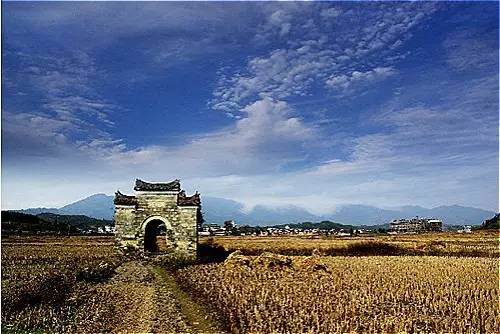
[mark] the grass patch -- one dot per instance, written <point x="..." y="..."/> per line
<point x="200" y="318"/>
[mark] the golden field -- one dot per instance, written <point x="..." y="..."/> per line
<point x="378" y="294"/>
<point x="479" y="243"/>
<point x="51" y="284"/>
<point x="433" y="283"/>
<point x="78" y="285"/>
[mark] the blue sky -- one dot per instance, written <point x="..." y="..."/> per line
<point x="308" y="104"/>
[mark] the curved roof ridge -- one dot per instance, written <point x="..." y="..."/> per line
<point x="141" y="185"/>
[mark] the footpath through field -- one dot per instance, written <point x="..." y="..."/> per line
<point x="155" y="303"/>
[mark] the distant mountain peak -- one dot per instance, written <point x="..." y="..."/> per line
<point x="98" y="195"/>
<point x="217" y="210"/>
<point x="96" y="206"/>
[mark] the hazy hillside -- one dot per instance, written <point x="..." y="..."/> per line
<point x="98" y="206"/>
<point x="492" y="223"/>
<point x="217" y="210"/>
<point x="36" y="211"/>
<point x="262" y="215"/>
<point x="460" y="215"/>
<point x="17" y="222"/>
<point x="220" y="209"/>
<point x="450" y="215"/>
<point x="364" y="215"/>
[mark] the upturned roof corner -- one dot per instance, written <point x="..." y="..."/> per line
<point x="121" y="199"/>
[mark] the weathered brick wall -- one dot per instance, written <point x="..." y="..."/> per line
<point x="125" y="227"/>
<point x="187" y="229"/>
<point x="180" y="221"/>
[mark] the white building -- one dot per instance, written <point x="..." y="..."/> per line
<point x="416" y="225"/>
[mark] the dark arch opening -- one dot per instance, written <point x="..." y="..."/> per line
<point x="156" y="237"/>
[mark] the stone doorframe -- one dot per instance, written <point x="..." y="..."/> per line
<point x="168" y="233"/>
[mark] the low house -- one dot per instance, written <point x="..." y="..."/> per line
<point x="416" y="225"/>
<point x="211" y="229"/>
<point x="466" y="229"/>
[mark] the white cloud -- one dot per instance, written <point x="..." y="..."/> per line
<point x="278" y="20"/>
<point x="244" y="162"/>
<point x="265" y="139"/>
<point x="283" y="74"/>
<point x="369" y="39"/>
<point x="414" y="161"/>
<point x="331" y="12"/>
<point x="439" y="155"/>
<point x="344" y="82"/>
<point x="281" y="19"/>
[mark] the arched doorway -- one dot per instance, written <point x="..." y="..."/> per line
<point x="157" y="236"/>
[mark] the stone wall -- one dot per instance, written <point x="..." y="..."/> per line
<point x="132" y="218"/>
<point x="125" y="228"/>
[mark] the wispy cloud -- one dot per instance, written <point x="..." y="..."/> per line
<point x="345" y="82"/>
<point x="472" y="49"/>
<point x="313" y="56"/>
<point x="70" y="113"/>
<point x="32" y="134"/>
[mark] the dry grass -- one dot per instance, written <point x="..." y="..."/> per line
<point x="376" y="294"/>
<point x="481" y="244"/>
<point x="53" y="284"/>
<point x="78" y="285"/>
<point x="62" y="284"/>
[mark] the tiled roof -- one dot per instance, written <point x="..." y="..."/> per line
<point x="146" y="186"/>
<point x="121" y="199"/>
<point x="183" y="200"/>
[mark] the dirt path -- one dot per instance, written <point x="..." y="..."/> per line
<point x="152" y="302"/>
<point x="196" y="316"/>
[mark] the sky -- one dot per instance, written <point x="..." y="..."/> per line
<point x="315" y="105"/>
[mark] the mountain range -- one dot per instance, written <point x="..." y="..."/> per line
<point x="217" y="210"/>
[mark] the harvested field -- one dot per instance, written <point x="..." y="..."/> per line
<point x="480" y="243"/>
<point x="52" y="284"/>
<point x="77" y="284"/>
<point x="321" y="294"/>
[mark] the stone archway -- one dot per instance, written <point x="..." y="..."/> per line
<point x="180" y="215"/>
<point x="158" y="235"/>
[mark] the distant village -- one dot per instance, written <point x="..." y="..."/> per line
<point x="231" y="228"/>
<point x="397" y="226"/>
<point x="45" y="223"/>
